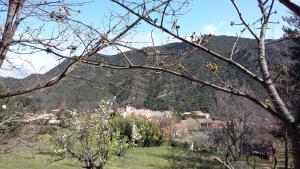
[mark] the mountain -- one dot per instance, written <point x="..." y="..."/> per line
<point x="148" y="89"/>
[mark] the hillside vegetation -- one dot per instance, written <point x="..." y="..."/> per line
<point x="148" y="89"/>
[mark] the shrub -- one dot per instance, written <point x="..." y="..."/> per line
<point x="180" y="144"/>
<point x="140" y="132"/>
<point x="90" y="137"/>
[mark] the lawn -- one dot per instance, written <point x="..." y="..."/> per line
<point x="145" y="158"/>
<point x="136" y="158"/>
<point x="24" y="158"/>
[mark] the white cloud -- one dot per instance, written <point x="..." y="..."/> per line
<point x="222" y="24"/>
<point x="215" y="29"/>
<point x="210" y="29"/>
<point x="20" y="66"/>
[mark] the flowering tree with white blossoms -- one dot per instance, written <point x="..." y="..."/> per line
<point x="11" y="112"/>
<point x="136" y="136"/>
<point x="90" y="137"/>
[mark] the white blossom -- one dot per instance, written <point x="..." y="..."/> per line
<point x="73" y="113"/>
<point x="136" y="136"/>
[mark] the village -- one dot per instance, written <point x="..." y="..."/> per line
<point x="194" y="121"/>
<point x="184" y="129"/>
<point x="149" y="84"/>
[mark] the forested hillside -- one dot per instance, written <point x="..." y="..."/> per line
<point x="148" y="89"/>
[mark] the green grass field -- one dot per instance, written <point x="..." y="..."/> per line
<point x="136" y="158"/>
<point x="142" y="158"/>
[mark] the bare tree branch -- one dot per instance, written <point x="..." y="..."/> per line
<point x="214" y="54"/>
<point x="243" y="21"/>
<point x="292" y="6"/>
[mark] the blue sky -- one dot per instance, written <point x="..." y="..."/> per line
<point x="201" y="16"/>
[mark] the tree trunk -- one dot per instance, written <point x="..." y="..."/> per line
<point x="277" y="101"/>
<point x="295" y="137"/>
<point x="286" y="151"/>
<point x="13" y="19"/>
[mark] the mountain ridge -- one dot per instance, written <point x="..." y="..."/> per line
<point x="148" y="89"/>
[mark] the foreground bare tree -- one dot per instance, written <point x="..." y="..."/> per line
<point x="234" y="135"/>
<point x="273" y="104"/>
<point x="48" y="28"/>
<point x="160" y="15"/>
<point x="19" y="31"/>
<point x="69" y="39"/>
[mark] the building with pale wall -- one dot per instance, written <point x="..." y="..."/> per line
<point x="149" y="114"/>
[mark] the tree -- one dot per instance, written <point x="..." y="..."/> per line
<point x="273" y="104"/>
<point x="48" y="27"/>
<point x="294" y="82"/>
<point x="19" y="34"/>
<point x="240" y="124"/>
<point x="162" y="15"/>
<point x="90" y="138"/>
<point x="140" y="131"/>
<point x="10" y="120"/>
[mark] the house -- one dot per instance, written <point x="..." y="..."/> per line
<point x="145" y="113"/>
<point x="56" y="112"/>
<point x="187" y="114"/>
<point x="200" y="115"/>
<point x="197" y="124"/>
<point x="196" y="115"/>
<point x="218" y="124"/>
<point x="190" y="125"/>
<point x="176" y="131"/>
<point x="40" y="118"/>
